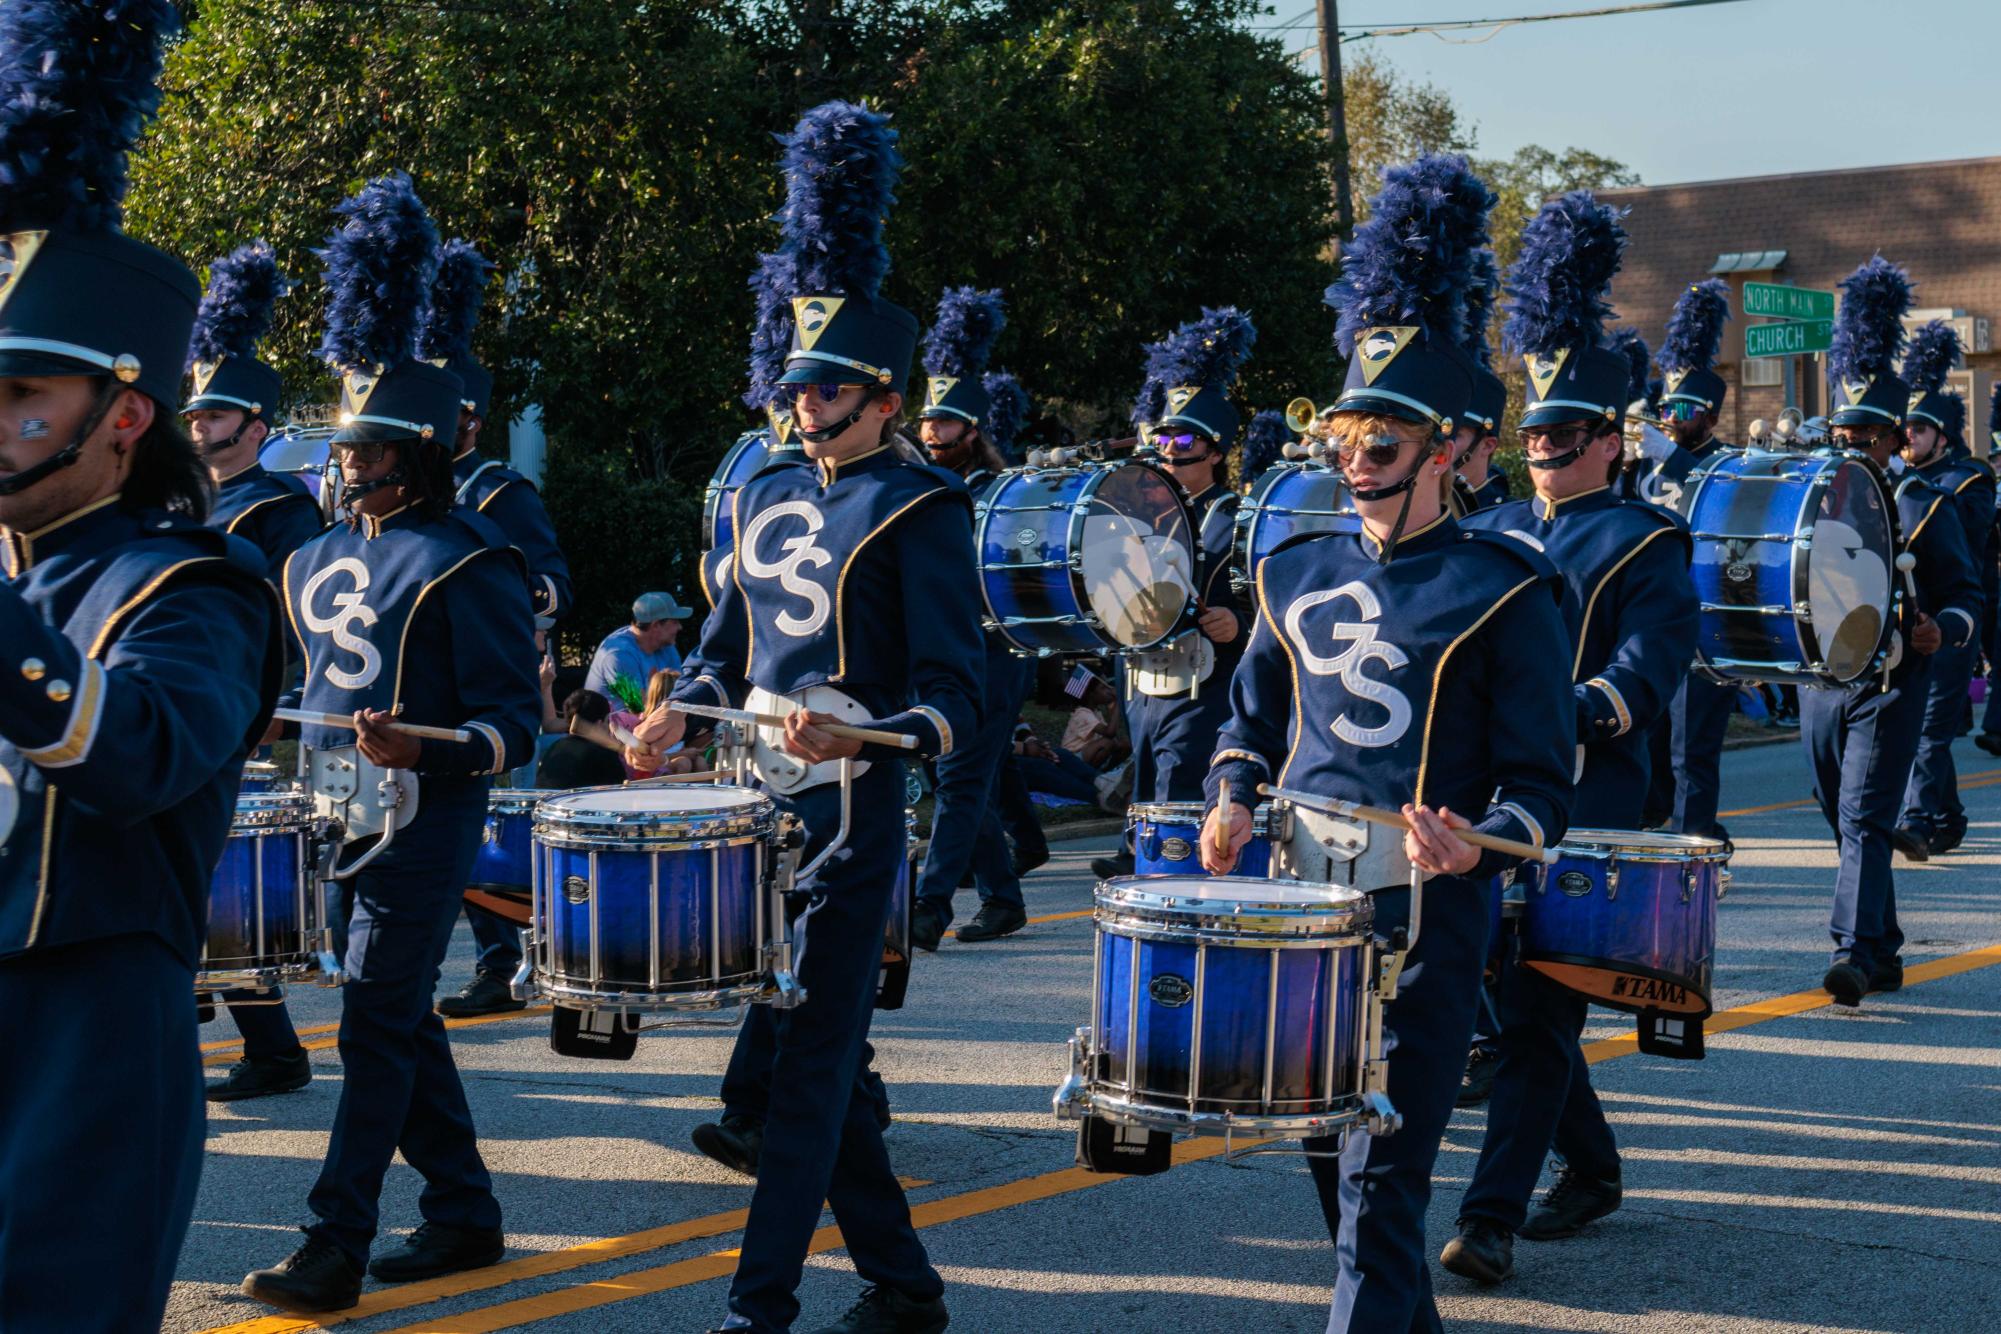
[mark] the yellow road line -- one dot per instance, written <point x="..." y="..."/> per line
<point x="720" y="1264"/>
<point x="1979" y="778"/>
<point x="226" y="1056"/>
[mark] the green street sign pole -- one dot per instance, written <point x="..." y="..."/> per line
<point x="1787" y="303"/>
<point x="1792" y="338"/>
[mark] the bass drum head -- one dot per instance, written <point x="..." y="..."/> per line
<point x="1849" y="570"/>
<point x="1138" y="558"/>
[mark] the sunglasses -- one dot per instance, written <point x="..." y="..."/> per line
<point x="1557" y="439"/>
<point x="1680" y="411"/>
<point x="1174" y="444"/>
<point x="1861" y="435"/>
<point x="1379" y="451"/>
<point x="827" y="392"/>
<point x="367" y="453"/>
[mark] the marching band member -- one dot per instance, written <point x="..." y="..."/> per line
<point x="965" y="823"/>
<point x="1178" y="690"/>
<point x="1861" y="740"/>
<point x="141" y="659"/>
<point x="1691" y="404"/>
<point x="413" y="609"/>
<point x="1988" y="738"/>
<point x="1934" y="821"/>
<point x="1388" y="667"/>
<point x="847" y="589"/>
<point x="1476" y="482"/>
<point x="1631" y="611"/>
<point x="229" y="416"/>
<point x="511" y="502"/>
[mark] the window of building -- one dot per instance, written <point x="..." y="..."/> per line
<point x="1763" y="372"/>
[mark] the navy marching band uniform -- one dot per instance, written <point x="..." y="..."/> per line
<point x="1392" y="673"/>
<point x="269" y="512"/>
<point x="852" y="578"/>
<point x="420" y="610"/>
<point x="1862" y="739"/>
<point x="140" y="664"/>
<point x="511" y="503"/>
<point x="1933" y="819"/>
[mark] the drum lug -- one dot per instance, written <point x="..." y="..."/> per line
<point x="1073" y="1095"/>
<point x="1612" y="879"/>
<point x="1687" y="883"/>
<point x="1379" y="1117"/>
<point x="1803" y="611"/>
<point x="786" y="991"/>
<point x="522" y="988"/>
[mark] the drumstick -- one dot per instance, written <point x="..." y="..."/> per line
<point x="1222" y="825"/>
<point x="1394" y="820"/>
<point x="897" y="739"/>
<point x="345" y="720"/>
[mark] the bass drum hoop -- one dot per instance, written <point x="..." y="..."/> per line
<point x="1811" y="651"/>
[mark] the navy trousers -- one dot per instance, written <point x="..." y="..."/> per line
<point x="1698" y="717"/>
<point x="1374" y="1195"/>
<point x="101" y="1128"/>
<point x="1931" y="798"/>
<point x="965" y="819"/>
<point x="1173" y="738"/>
<point x="266" y="1028"/>
<point x="400" y="1089"/>
<point x="822" y="1143"/>
<point x="1861" y="744"/>
<point x="499" y="942"/>
<point x="1019" y="820"/>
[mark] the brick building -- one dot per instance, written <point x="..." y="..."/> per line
<point x="1940" y="220"/>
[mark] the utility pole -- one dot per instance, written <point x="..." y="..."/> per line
<point x="1337" y="116"/>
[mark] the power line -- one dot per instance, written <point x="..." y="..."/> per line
<point x="1455" y="25"/>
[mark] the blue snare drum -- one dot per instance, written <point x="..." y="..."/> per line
<point x="507" y="845"/>
<point x="1086" y="559"/>
<point x="653" y="898"/>
<point x="259" y="776"/>
<point x="1795" y="566"/>
<point x="1289" y="500"/>
<point x="1627" y="919"/>
<point x="266" y="916"/>
<point x="1226" y="1006"/>
<point x="1165" y="833"/>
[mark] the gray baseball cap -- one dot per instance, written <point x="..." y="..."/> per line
<point x="650" y="607"/>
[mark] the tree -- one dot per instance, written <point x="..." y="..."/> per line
<point x="1534" y="174"/>
<point x="1392" y="120"/>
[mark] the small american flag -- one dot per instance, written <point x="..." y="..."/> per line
<point x="1079" y="682"/>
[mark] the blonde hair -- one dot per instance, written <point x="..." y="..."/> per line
<point x="657" y="687"/>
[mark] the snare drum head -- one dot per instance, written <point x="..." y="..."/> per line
<point x="1203" y="897"/>
<point x="611" y="802"/>
<point x="1849" y="570"/>
<point x="1138" y="555"/>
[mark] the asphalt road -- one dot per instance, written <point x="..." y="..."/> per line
<point x="1820" y="1171"/>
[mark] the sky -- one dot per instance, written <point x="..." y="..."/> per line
<point x="1752" y="88"/>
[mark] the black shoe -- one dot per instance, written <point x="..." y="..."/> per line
<point x="1845" y="982"/>
<point x="993" y="921"/>
<point x="1572" y="1202"/>
<point x="436" y="1249"/>
<point x="1108" y="868"/>
<point x="1989" y="742"/>
<point x="487" y="993"/>
<point x="261" y="1076"/>
<point x="736" y="1142"/>
<point x="1945" y="840"/>
<point x="1888" y="976"/>
<point x="316" y="1277"/>
<point x="927" y="927"/>
<point x="1913" y="842"/>
<point x="1477" y="1084"/>
<point x="887" y="1311"/>
<point x="1024" y="862"/>
<point x="1484" y="1251"/>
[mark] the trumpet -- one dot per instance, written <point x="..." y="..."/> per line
<point x="1638" y="417"/>
<point x="1310" y="425"/>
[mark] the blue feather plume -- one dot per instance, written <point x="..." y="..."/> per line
<point x="1933" y="352"/>
<point x="379" y="265"/>
<point x="1264" y="442"/>
<point x="1209" y="351"/>
<point x="1869" y="327"/>
<point x="1413" y="261"/>
<point x="773" y="284"/>
<point x="446" y="333"/>
<point x="1558" y="284"/>
<point x="962" y="338"/>
<point x="1628" y="344"/>
<point x="1151" y="404"/>
<point x="1007" y="413"/>
<point x="1480" y="297"/>
<point x="235" y="314"/>
<point x="78" y="82"/>
<point x="1953" y="409"/>
<point x="1656" y="386"/>
<point x="1695" y="328"/>
<point x="841" y="168"/>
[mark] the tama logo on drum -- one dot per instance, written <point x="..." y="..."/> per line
<point x="1574" y="883"/>
<point x="1629" y="987"/>
<point x="1171" y="991"/>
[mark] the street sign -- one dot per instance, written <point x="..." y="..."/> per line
<point x="1787" y="303"/>
<point x="1790" y="339"/>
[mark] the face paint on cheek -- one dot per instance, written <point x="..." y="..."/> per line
<point x="34" y="429"/>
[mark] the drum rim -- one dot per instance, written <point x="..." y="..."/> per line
<point x="554" y="810"/>
<point x="282" y="811"/>
<point x="1133" y="904"/>
<point x="715" y="489"/>
<point x="501" y="799"/>
<point x="1637" y="845"/>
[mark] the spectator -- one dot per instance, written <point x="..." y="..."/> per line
<point x="573" y="762"/>
<point x="1090" y="765"/>
<point x="631" y="654"/>
<point x="644" y="763"/>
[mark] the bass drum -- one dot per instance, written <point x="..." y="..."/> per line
<point x="1795" y="566"/>
<point x="751" y="451"/>
<point x="304" y="457"/>
<point x="1085" y="560"/>
<point x="1289" y="500"/>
